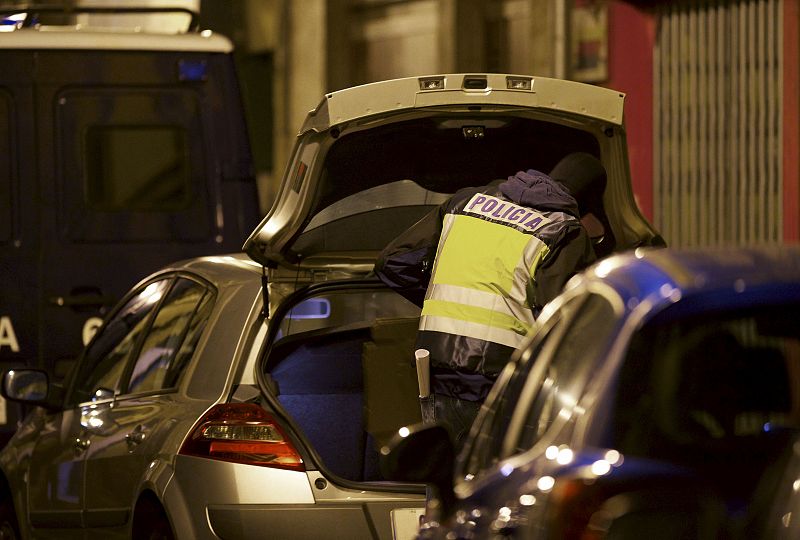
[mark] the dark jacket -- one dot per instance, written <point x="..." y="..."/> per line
<point x="463" y="366"/>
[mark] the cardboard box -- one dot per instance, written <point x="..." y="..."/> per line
<point x="391" y="396"/>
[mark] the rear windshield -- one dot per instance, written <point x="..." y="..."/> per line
<point x="377" y="182"/>
<point x="369" y="219"/>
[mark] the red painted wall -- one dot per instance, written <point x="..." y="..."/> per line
<point x="631" y="38"/>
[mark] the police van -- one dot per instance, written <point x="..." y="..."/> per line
<point x="122" y="148"/>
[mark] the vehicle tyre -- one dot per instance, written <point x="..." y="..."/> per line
<point x="151" y="523"/>
<point x="156" y="530"/>
<point x="9" y="528"/>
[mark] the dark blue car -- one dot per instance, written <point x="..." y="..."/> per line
<point x="658" y="398"/>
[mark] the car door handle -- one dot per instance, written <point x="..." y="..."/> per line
<point x="135" y="437"/>
<point x="82" y="444"/>
<point x="82" y="297"/>
<point x="79" y="301"/>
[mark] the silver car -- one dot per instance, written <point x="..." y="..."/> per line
<point x="236" y="397"/>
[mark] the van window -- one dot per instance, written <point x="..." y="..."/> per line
<point x="132" y="166"/>
<point x="137" y="168"/>
<point x="5" y="168"/>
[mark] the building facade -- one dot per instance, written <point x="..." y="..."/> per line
<point x="711" y="85"/>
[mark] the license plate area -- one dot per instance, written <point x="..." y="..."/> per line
<point x="405" y="522"/>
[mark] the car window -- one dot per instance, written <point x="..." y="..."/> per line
<point x="369" y="219"/>
<point x="171" y="338"/>
<point x="485" y="448"/>
<point x="713" y="389"/>
<point x="570" y="368"/>
<point x="193" y="333"/>
<point x="104" y="361"/>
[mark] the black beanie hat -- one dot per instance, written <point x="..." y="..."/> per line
<point x="585" y="178"/>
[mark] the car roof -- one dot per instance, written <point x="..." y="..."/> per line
<point x="219" y="269"/>
<point x="663" y="276"/>
<point x="90" y="26"/>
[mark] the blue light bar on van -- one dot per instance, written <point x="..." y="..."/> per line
<point x="192" y="70"/>
<point x="10" y="23"/>
<point x="313" y="308"/>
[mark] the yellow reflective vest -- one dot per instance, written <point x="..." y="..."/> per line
<point x="486" y="264"/>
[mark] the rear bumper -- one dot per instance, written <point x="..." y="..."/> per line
<point x="208" y="499"/>
<point x="199" y="483"/>
<point x="372" y="520"/>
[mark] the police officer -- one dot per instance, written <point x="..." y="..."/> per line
<point x="482" y="266"/>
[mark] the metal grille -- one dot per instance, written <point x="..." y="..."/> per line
<point x="717" y="123"/>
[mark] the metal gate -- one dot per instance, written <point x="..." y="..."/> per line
<point x="717" y="122"/>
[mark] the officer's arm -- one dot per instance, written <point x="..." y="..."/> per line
<point x="569" y="256"/>
<point x="405" y="264"/>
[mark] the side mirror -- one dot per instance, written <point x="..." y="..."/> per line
<point x="422" y="453"/>
<point x="29" y="386"/>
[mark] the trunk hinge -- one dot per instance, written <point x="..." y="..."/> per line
<point x="264" y="292"/>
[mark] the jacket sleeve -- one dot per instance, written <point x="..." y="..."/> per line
<point x="405" y="264"/>
<point x="567" y="257"/>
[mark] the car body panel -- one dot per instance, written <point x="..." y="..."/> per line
<point x="304" y="507"/>
<point x="396" y="95"/>
<point x="352" y="521"/>
<point x="401" y="116"/>
<point x="56" y="484"/>
<point x="526" y="493"/>
<point x="130" y="435"/>
<point x="305" y="332"/>
<point x="133" y="443"/>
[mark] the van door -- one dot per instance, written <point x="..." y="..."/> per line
<point x="135" y="165"/>
<point x="13" y="320"/>
<point x="19" y="227"/>
<point x="132" y="183"/>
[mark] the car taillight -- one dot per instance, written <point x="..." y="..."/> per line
<point x="576" y="507"/>
<point x="242" y="433"/>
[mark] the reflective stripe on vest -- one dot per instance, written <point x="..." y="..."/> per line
<point x="480" y="278"/>
<point x="475" y="330"/>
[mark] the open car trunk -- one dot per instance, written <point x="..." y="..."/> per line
<point x="371" y="160"/>
<point x="340" y="364"/>
<point x="368" y="163"/>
